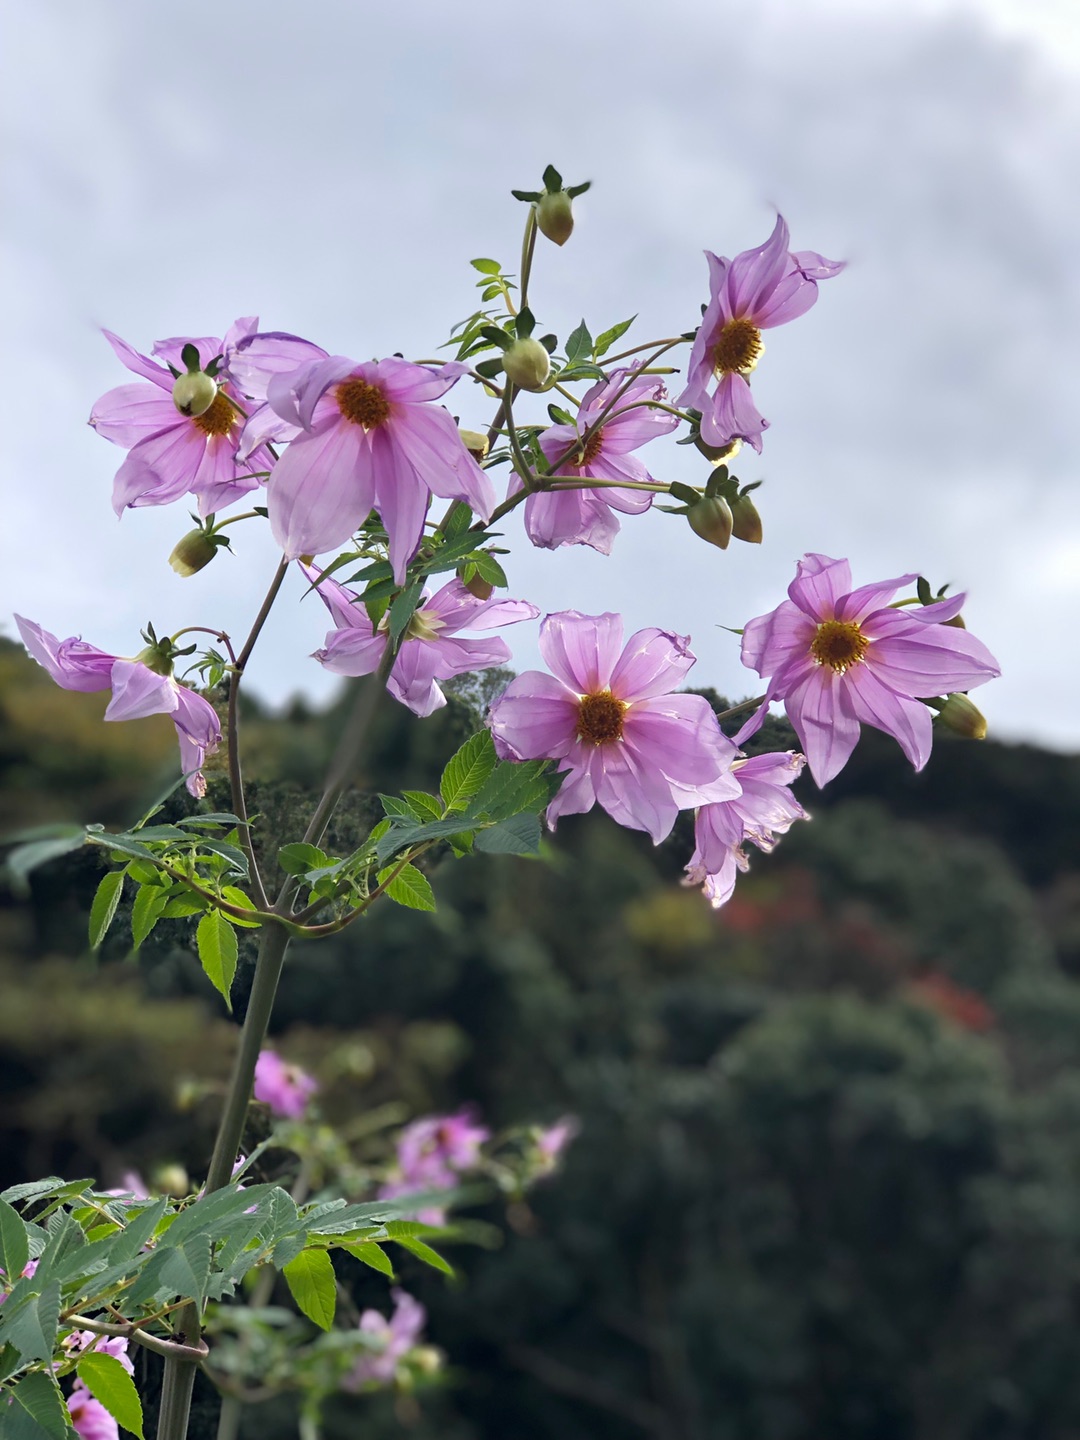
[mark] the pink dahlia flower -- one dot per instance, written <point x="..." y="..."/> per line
<point x="285" y="1088"/>
<point x="431" y="1153"/>
<point x="89" y="1418"/>
<point x="170" y="454"/>
<point x="765" y="810"/>
<point x="136" y="691"/>
<point x="431" y="648"/>
<point x="394" y="1338"/>
<point x="608" y="716"/>
<point x="839" y="658"/>
<point x="757" y="290"/>
<point x="370" y="439"/>
<point x="585" y="517"/>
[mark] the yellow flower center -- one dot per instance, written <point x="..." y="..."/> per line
<point x="423" y="625"/>
<point x="737" y="348"/>
<point x="839" y="644"/>
<point x="600" y="718"/>
<point x="219" y="419"/>
<point x="592" y="448"/>
<point x="362" y="404"/>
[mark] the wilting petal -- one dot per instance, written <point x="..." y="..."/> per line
<point x="412" y="680"/>
<point x="138" y="691"/>
<point x="199" y="732"/>
<point x="732" y="414"/>
<point x="352" y="652"/>
<point x="582" y="650"/>
<point x="754" y="275"/>
<point x="570" y="517"/>
<point x="71" y="663"/>
<point x="257" y="358"/>
<point x="159" y="469"/>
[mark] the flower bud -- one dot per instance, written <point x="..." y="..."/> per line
<point x="475" y="443"/>
<point x="745" y="520"/>
<point x="427" y="1359"/>
<point x="157" y="658"/>
<point x="194" y="393"/>
<point x="527" y="364"/>
<point x="555" y="216"/>
<point x="171" y="1180"/>
<point x="716" y="453"/>
<point x="711" y="519"/>
<point x="479" y="587"/>
<point x="962" y="717"/>
<point x="192" y="553"/>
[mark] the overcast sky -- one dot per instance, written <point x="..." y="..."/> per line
<point x="333" y="167"/>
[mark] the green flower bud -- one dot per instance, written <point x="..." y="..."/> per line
<point x="962" y="717"/>
<point x="171" y="1180"/>
<point x="527" y="364"/>
<point x="475" y="443"/>
<point x="746" y="522"/>
<point x="717" y="453"/>
<point x="711" y="518"/>
<point x="157" y="658"/>
<point x="192" y="553"/>
<point x="427" y="1359"/>
<point x="555" y="216"/>
<point x="194" y="393"/>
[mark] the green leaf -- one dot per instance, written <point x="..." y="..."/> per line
<point x="402" y="608"/>
<point x="245" y="902"/>
<point x="458" y="520"/>
<point x="38" y="1410"/>
<point x="490" y="570"/>
<point x="216" y="940"/>
<point x="467" y="770"/>
<point x="187" y="1268"/>
<point x="150" y="901"/>
<point x="580" y="345"/>
<point x="513" y="786"/>
<point x="26" y="858"/>
<point x="520" y="835"/>
<point x="486" y="267"/>
<point x="373" y="1255"/>
<point x="33" y="1189"/>
<point x="424" y="1252"/>
<point x="397" y="809"/>
<point x="605" y="341"/>
<point x="232" y="854"/>
<point x="298" y="859"/>
<point x="121" y="845"/>
<point x="33" y="1329"/>
<point x="424" y="806"/>
<point x="182" y="905"/>
<point x="401" y="835"/>
<point x="216" y="818"/>
<point x="410" y="888"/>
<point x="14" y="1245"/>
<point x="137" y="1232"/>
<point x="109" y="1382"/>
<point x="310" y="1278"/>
<point x="102" y="911"/>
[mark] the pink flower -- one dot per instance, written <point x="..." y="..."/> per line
<point x="765" y="809"/>
<point x="285" y="1088"/>
<point x="839" y="658"/>
<point x="80" y="1341"/>
<point x="370" y="439"/>
<point x="608" y="716"/>
<point x="172" y="454"/>
<point x="552" y="1140"/>
<point x="89" y="1418"/>
<point x="585" y="517"/>
<point x="430" y="649"/>
<point x="136" y="691"/>
<point x="755" y="291"/>
<point x="394" y="1337"/>
<point x="30" y="1268"/>
<point x="431" y="1153"/>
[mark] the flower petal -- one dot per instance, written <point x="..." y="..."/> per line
<point x="401" y="496"/>
<point x="73" y="664"/>
<point x="321" y="489"/>
<point x="819" y="586"/>
<point x="732" y="415"/>
<point x="582" y="650"/>
<point x="130" y="413"/>
<point x="432" y="442"/>
<point x="754" y="275"/>
<point x="907" y="721"/>
<point x="653" y="662"/>
<point x="821" y="712"/>
<point x="140" y="364"/>
<point x="770" y="641"/>
<point x="535" y="718"/>
<point x="137" y="691"/>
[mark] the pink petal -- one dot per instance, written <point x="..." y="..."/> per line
<point x="161" y="468"/>
<point x="868" y="598"/>
<point x="680" y="736"/>
<point x="576" y="795"/>
<point x="907" y="721"/>
<point x="819" y="586"/>
<point x="141" y="364"/>
<point x="342" y="603"/>
<point x="71" y="663"/>
<point x="770" y="641"/>
<point x="138" y="691"/>
<point x="321" y="489"/>
<point x="217" y="482"/>
<point x="570" y="517"/>
<point x="582" y="650"/>
<point x="433" y="444"/>
<point x="535" y="718"/>
<point x="653" y="662"/>
<point x="821" y="712"/>
<point x="258" y="357"/>
<point x="130" y="413"/>
<point x="632" y="792"/>
<point x="932" y="660"/>
<point x="401" y="496"/>
<point x="754" y="275"/>
<point x="352" y="652"/>
<point x="412" y="680"/>
<point x="732" y="414"/>
<point x="403" y="382"/>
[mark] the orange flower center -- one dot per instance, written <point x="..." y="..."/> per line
<point x="737" y="348"/>
<point x="362" y="404"/>
<point x="839" y="644"/>
<point x="592" y="448"/>
<point x="219" y="419"/>
<point x="600" y="718"/>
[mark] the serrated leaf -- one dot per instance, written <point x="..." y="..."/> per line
<point x="187" y="1268"/>
<point x="424" y="806"/>
<point x="402" y="835"/>
<point x="182" y="905"/>
<point x="396" y="809"/>
<point x="424" y="1252"/>
<point x="150" y="901"/>
<point x="520" y="835"/>
<point x="32" y="1330"/>
<point x="467" y="770"/>
<point x="402" y="609"/>
<point x="513" y="786"/>
<point x="298" y="859"/>
<point x="220" y="817"/>
<point x="137" y="1232"/>
<point x="236" y="896"/>
<point x="14" y="1244"/>
<point x="231" y="854"/>
<point x="372" y="1254"/>
<point x="409" y="888"/>
<point x="457" y="521"/>
<point x="490" y="570"/>
<point x="108" y="1382"/>
<point x="216" y="941"/>
<point x="103" y="909"/>
<point x="33" y="1189"/>
<point x="38" y="1410"/>
<point x="310" y="1278"/>
<point x="580" y="345"/>
<point x="605" y="340"/>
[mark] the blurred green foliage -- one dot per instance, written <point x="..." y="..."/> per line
<point x="828" y="1181"/>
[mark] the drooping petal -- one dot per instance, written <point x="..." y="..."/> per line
<point x="402" y="498"/>
<point x="217" y="482"/>
<point x="265" y="426"/>
<point x="294" y="394"/>
<point x="582" y="650"/>
<point x="576" y="795"/>
<point x="754" y="275"/>
<point x="432" y="442"/>
<point x="821" y="713"/>
<point x="130" y="413"/>
<point x="352" y="652"/>
<point x="632" y="791"/>
<point x="907" y="721"/>
<point x="535" y="718"/>
<point x="343" y="604"/>
<point x="159" y="469"/>
<point x="458" y="609"/>
<point x="732" y="415"/>
<point x="554" y="518"/>
<point x="140" y="364"/>
<point x="199" y="732"/>
<point x="137" y="691"/>
<point x="653" y="662"/>
<point x="321" y="489"/>
<point x="860" y="603"/>
<point x="417" y="666"/>
<point x="257" y="358"/>
<point x="819" y="585"/>
<point x="815" y="266"/>
<point x="73" y="664"/>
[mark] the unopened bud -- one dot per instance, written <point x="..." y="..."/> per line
<point x="962" y="717"/>
<point x="194" y="393"/>
<point x="476" y="585"/>
<point x="427" y="1359"/>
<point x="745" y="520"/>
<point x="957" y="622"/>
<point x="711" y="519"/>
<point x="555" y="216"/>
<point x="171" y="1180"/>
<point x="527" y="364"/>
<point x="192" y="553"/>
<point x="475" y="443"/>
<point x="717" y="453"/>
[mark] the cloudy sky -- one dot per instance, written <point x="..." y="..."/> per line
<point x="333" y="167"/>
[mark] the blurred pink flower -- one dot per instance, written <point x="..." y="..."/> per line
<point x="394" y="1337"/>
<point x="285" y="1088"/>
